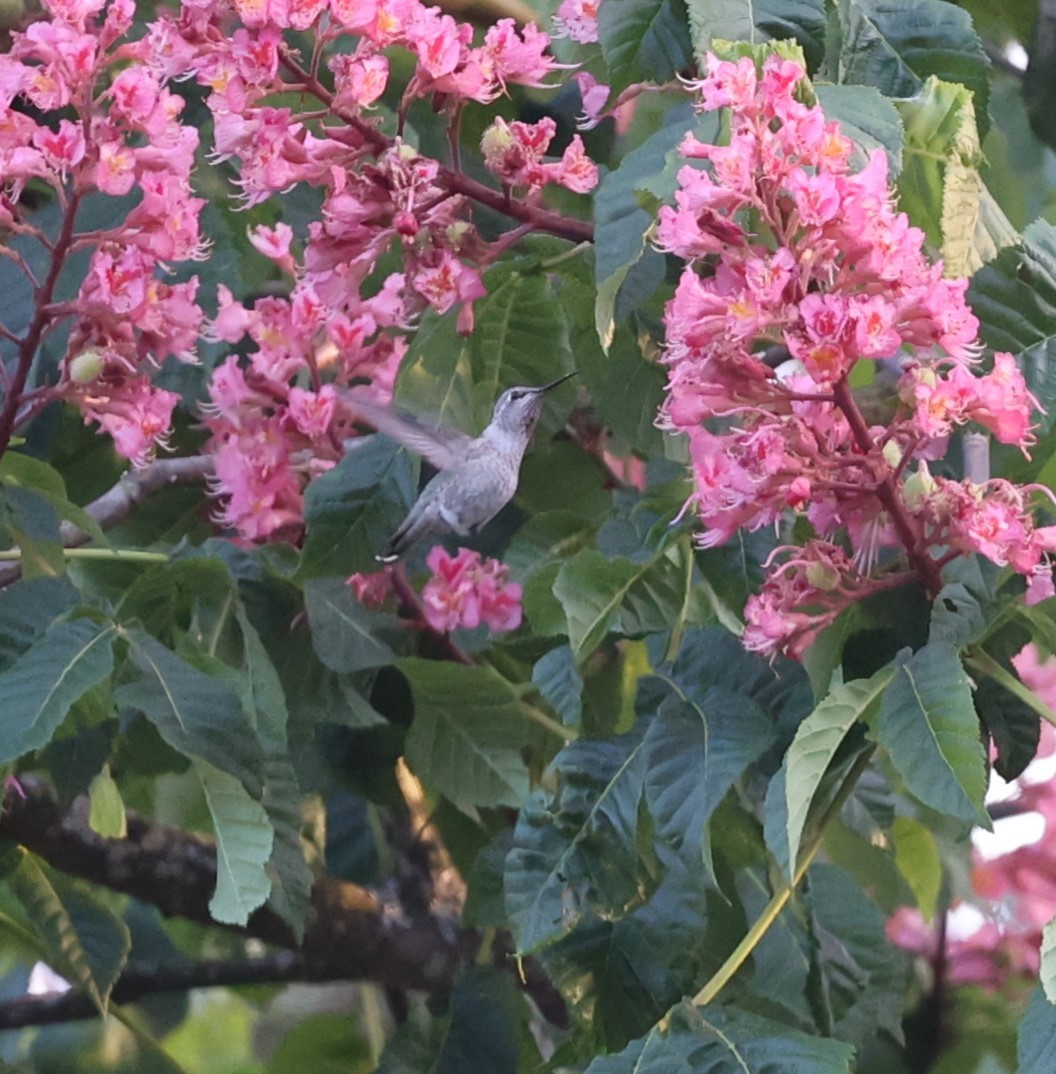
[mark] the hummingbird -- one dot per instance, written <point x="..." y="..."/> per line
<point x="478" y="475"/>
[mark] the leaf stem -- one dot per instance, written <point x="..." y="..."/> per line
<point x="780" y="898"/>
<point x="549" y="723"/>
<point x="129" y="555"/>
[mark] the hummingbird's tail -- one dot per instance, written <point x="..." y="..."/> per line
<point x="400" y="541"/>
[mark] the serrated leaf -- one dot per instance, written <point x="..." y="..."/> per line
<point x="725" y="1040"/>
<point x="1014" y="298"/>
<point x="896" y="47"/>
<point x="353" y="509"/>
<point x="28" y="609"/>
<point x="346" y="636"/>
<point x="697" y="745"/>
<point x="196" y="714"/>
<point x="940" y="186"/>
<point x="24" y="471"/>
<point x="869" y="119"/>
<point x="467" y="734"/>
<point x="758" y="21"/>
<point x="38" y="690"/>
<point x="243" y="846"/>
<point x="1014" y="726"/>
<point x="643" y="40"/>
<point x="927" y="724"/>
<point x="560" y="683"/>
<point x="813" y="749"/>
<point x="83" y="940"/>
<point x="106" y="810"/>
<point x="576" y="852"/>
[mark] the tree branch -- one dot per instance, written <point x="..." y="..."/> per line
<point x="350" y="933"/>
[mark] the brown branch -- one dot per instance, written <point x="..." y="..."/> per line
<point x="139" y="981"/>
<point x="350" y="933"/>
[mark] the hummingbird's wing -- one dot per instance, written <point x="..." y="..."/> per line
<point x="443" y="447"/>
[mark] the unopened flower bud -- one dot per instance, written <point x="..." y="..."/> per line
<point x="823" y="577"/>
<point x="918" y="487"/>
<point x="496" y="141"/>
<point x="87" y="366"/>
<point x="893" y="454"/>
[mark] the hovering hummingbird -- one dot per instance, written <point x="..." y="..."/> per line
<point x="478" y="475"/>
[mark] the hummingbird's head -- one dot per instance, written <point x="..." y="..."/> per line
<point x="518" y="409"/>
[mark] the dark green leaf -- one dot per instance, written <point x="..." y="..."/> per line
<point x="33" y="525"/>
<point x="353" y="509"/>
<point x="27" y="610"/>
<point x="896" y="47"/>
<point x="643" y="40"/>
<point x="1014" y="726"/>
<point x="869" y="119"/>
<point x="196" y="714"/>
<point x="758" y="21"/>
<point x="577" y="851"/>
<point x="38" y="690"/>
<point x="1014" y="298"/>
<point x="560" y="683"/>
<point x="467" y="735"/>
<point x="725" y="1040"/>
<point x="346" y="636"/>
<point x="927" y="724"/>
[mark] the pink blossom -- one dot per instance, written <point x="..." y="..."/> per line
<point x="578" y="20"/>
<point x="372" y="590"/>
<point x="466" y="591"/>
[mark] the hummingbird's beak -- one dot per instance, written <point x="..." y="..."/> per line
<point x="554" y="383"/>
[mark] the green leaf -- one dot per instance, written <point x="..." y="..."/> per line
<point x="577" y="851"/>
<point x="196" y="714"/>
<point x="323" y="1044"/>
<point x="520" y="337"/>
<point x="759" y="21"/>
<point x="940" y="186"/>
<point x="927" y="724"/>
<point x="725" y="1040"/>
<point x="859" y="978"/>
<point x="83" y="940"/>
<point x="897" y="47"/>
<point x="346" y="636"/>
<point x="815" y="746"/>
<point x="1014" y="726"/>
<point x="164" y="597"/>
<point x="38" y="690"/>
<point x="27" y="610"/>
<point x="23" y="471"/>
<point x="33" y="525"/>
<point x="560" y="683"/>
<point x="468" y="731"/>
<point x="1037" y="1035"/>
<point x="869" y="119"/>
<point x="918" y="859"/>
<point x="106" y="812"/>
<point x="243" y="846"/>
<point x="353" y="509"/>
<point x="643" y="41"/>
<point x="1014" y="298"/>
<point x="699" y="743"/>
<point x="621" y="223"/>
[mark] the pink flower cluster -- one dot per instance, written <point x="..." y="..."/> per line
<point x="799" y="269"/>
<point x="467" y="591"/>
<point x="514" y="152"/>
<point x="111" y="125"/>
<point x="126" y="320"/>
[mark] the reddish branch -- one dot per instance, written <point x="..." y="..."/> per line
<point x="456" y="182"/>
<point x="27" y="348"/>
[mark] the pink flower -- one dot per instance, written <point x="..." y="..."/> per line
<point x="372" y="590"/>
<point x="466" y="591"/>
<point x="578" y="20"/>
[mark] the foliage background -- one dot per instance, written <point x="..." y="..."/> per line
<point x="599" y="780"/>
